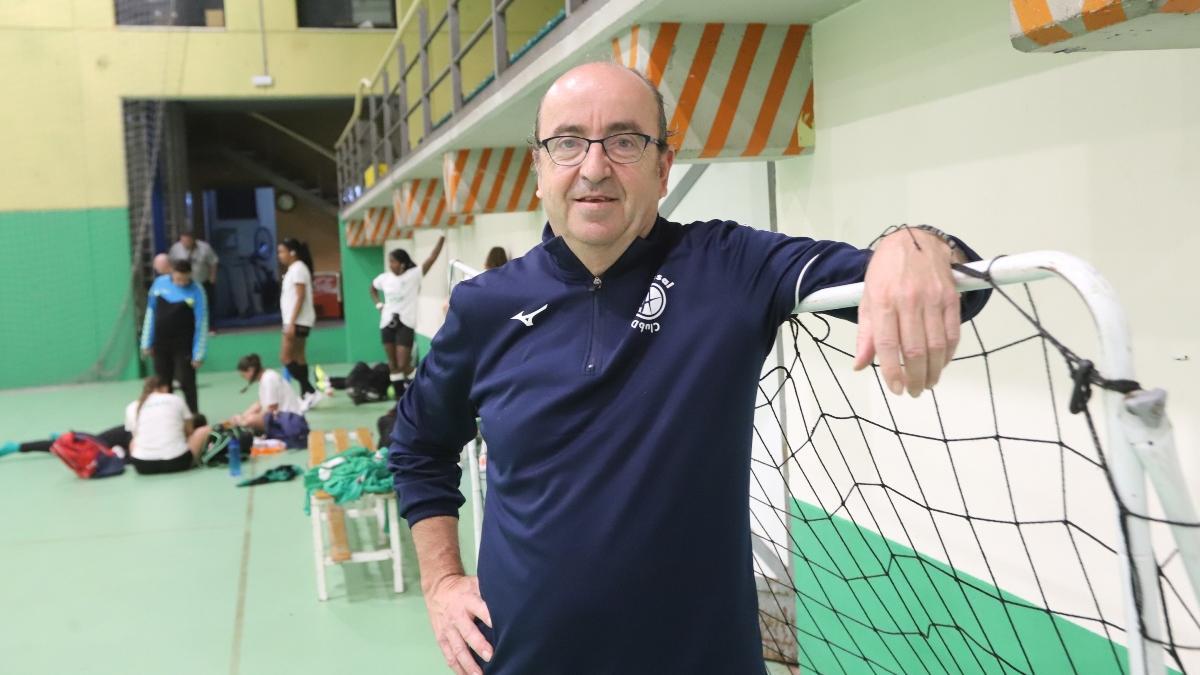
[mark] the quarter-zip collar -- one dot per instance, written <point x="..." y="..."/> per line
<point x="571" y="268"/>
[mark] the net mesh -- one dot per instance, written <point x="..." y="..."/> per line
<point x="971" y="530"/>
<point x="151" y="191"/>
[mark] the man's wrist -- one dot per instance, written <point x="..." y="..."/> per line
<point x="430" y="587"/>
<point x="919" y="235"/>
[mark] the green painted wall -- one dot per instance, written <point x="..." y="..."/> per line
<point x="64" y="277"/>
<point x="901" y="595"/>
<point x="359" y="267"/>
<point x="326" y="344"/>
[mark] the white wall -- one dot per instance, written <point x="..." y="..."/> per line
<point x="925" y="113"/>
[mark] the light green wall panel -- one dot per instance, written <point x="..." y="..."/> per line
<point x="64" y="281"/>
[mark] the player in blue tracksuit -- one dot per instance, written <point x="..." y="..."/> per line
<point x="613" y="370"/>
<point x="175" y="330"/>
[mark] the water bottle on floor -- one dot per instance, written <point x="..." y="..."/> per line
<point x="235" y="456"/>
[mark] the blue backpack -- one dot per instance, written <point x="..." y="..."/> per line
<point x="290" y="428"/>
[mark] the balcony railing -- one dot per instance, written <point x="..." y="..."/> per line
<point x="396" y="109"/>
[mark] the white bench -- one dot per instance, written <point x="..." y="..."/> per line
<point x="330" y="546"/>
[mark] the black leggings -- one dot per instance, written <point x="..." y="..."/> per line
<point x="151" y="466"/>
<point x="109" y="437"/>
<point x="173" y="362"/>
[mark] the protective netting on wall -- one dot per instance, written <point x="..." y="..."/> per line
<point x="144" y="122"/>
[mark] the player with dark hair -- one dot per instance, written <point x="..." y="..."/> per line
<point x="400" y="285"/>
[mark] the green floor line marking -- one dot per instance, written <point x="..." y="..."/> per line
<point x="239" y="616"/>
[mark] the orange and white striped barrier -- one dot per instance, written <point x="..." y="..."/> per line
<point x="1104" y="25"/>
<point x="380" y="224"/>
<point x="732" y="90"/>
<point x="421" y="202"/>
<point x="377" y="225"/>
<point x="490" y="180"/>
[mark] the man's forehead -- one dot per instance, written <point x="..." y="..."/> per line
<point x="610" y="95"/>
<point x="619" y="126"/>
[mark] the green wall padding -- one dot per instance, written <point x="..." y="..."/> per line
<point x="887" y="597"/>
<point x="359" y="268"/>
<point x="326" y="344"/>
<point x="421" y="346"/>
<point x="64" y="276"/>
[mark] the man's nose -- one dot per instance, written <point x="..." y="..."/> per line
<point x="596" y="165"/>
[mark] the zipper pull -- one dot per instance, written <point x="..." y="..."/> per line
<point x="596" y="283"/>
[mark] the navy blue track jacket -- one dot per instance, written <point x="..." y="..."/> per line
<point x="618" y="413"/>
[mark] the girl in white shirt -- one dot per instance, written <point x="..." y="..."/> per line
<point x="274" y="395"/>
<point x="164" y="440"/>
<point x="400" y="286"/>
<point x="296" y="308"/>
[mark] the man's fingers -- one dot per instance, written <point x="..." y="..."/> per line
<point x="935" y="340"/>
<point x="448" y="653"/>
<point x="887" y="348"/>
<point x="474" y="639"/>
<point x="865" y="349"/>
<point x="479" y="608"/>
<point x="953" y="321"/>
<point x="914" y="348"/>
<point x="460" y="659"/>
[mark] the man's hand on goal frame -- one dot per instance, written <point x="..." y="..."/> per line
<point x="909" y="316"/>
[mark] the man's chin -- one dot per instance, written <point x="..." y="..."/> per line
<point x="597" y="233"/>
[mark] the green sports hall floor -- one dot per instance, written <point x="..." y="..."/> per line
<point x="184" y="573"/>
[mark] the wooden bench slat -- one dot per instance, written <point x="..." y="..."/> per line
<point x="339" y="548"/>
<point x="316" y="447"/>
<point x="341" y="439"/>
<point x="365" y="438"/>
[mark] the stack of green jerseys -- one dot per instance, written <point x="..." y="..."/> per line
<point x="349" y="475"/>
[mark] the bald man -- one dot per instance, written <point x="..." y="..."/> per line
<point x="162" y="264"/>
<point x="613" y="370"/>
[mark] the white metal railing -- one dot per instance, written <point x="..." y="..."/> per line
<point x="378" y="134"/>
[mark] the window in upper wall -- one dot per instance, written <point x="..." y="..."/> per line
<point x="346" y="13"/>
<point x="208" y="13"/>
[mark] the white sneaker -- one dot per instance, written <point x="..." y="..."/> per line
<point x="309" y="401"/>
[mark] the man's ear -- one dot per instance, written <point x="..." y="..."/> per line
<point x="533" y="164"/>
<point x="665" y="161"/>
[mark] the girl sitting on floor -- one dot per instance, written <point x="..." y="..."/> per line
<point x="278" y="412"/>
<point x="165" y="438"/>
<point x="168" y="441"/>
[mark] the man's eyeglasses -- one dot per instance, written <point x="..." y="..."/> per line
<point x="625" y="148"/>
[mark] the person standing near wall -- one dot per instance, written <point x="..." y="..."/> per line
<point x="296" y="308"/>
<point x="203" y="259"/>
<point x="400" y="286"/>
<point x="175" y="330"/>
